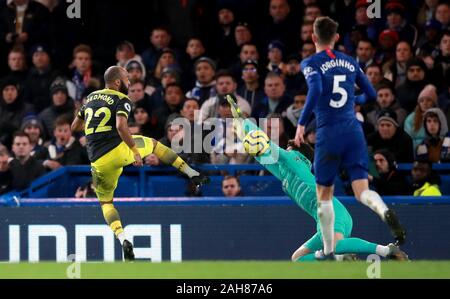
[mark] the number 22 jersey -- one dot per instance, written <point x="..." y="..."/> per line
<point x="99" y="115"/>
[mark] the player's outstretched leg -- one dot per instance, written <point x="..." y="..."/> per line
<point x="360" y="246"/>
<point x="112" y="218"/>
<point x="373" y="200"/>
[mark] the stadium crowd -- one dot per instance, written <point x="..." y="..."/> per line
<point x="405" y="54"/>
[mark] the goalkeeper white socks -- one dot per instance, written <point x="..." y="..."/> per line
<point x="372" y="200"/>
<point x="382" y="250"/>
<point x="325" y="212"/>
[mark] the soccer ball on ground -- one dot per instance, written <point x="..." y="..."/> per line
<point x="256" y="143"/>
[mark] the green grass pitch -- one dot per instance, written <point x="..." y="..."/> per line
<point x="228" y="270"/>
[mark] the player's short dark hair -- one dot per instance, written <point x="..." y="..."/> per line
<point x="325" y="29"/>
<point x="21" y="134"/>
<point x="112" y="74"/>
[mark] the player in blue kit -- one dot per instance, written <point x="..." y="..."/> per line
<point x="331" y="77"/>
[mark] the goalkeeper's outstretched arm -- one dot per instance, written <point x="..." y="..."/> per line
<point x="244" y="126"/>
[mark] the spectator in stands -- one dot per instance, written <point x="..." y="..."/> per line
<point x="160" y="39"/>
<point x="193" y="148"/>
<point x="125" y="52"/>
<point x="388" y="180"/>
<point x="396" y="21"/>
<point x="169" y="75"/>
<point x="395" y="70"/>
<point x="365" y="53"/>
<point x="408" y="92"/>
<point x="276" y="100"/>
<point x="444" y="97"/>
<point x="442" y="62"/>
<point x="231" y="187"/>
<point x="391" y="137"/>
<point x="281" y="26"/>
<point x="425" y="181"/>
<point x="294" y="111"/>
<point x="194" y="50"/>
<point x="173" y="101"/>
<point x="363" y="24"/>
<point x="138" y="72"/>
<point x="227" y="149"/>
<point x="312" y="12"/>
<point x="135" y="70"/>
<point x="62" y="104"/>
<point x="426" y="12"/>
<point x="33" y="127"/>
<point x="136" y="93"/>
<point x="205" y="85"/>
<point x="225" y="84"/>
<point x="293" y="77"/>
<point x="167" y="59"/>
<point x="64" y="149"/>
<point x="83" y="69"/>
<point x="429" y="40"/>
<point x="442" y="15"/>
<point x="25" y="22"/>
<point x="5" y="173"/>
<point x="17" y="65"/>
<point x="414" y="122"/>
<point x="275" y="57"/>
<point x="249" y="51"/>
<point x="142" y="119"/>
<point x="24" y="168"/>
<point x="374" y="74"/>
<point x="39" y="79"/>
<point x="242" y="34"/>
<point x="306" y="31"/>
<point x="224" y="45"/>
<point x="435" y="147"/>
<point x="12" y="110"/>
<point x="251" y="89"/>
<point x="386" y="100"/>
<point x="308" y="49"/>
<point x="387" y="40"/>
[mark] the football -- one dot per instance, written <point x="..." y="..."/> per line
<point x="256" y="143"/>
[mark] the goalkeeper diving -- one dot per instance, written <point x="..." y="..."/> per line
<point x="293" y="168"/>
